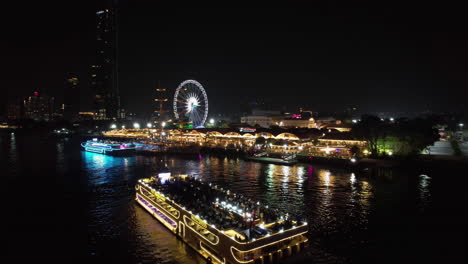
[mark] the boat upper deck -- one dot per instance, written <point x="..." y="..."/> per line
<point x="222" y="209"/>
<point x="108" y="144"/>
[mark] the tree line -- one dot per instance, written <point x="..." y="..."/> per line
<point x="401" y="137"/>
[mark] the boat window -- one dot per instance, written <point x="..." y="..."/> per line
<point x="202" y="231"/>
<point x="210" y="251"/>
<point x="171" y="210"/>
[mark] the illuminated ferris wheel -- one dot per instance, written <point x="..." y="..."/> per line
<point x="191" y="103"/>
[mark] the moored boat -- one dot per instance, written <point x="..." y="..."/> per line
<point x="280" y="160"/>
<point x="221" y="226"/>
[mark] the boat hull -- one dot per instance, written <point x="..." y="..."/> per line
<point x="272" y="160"/>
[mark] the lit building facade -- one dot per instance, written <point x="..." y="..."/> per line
<point x="343" y="127"/>
<point x="335" y="145"/>
<point x="262" y="121"/>
<point x="323" y="122"/>
<point x="38" y="107"/>
<point x="86" y="115"/>
<point x="14" y="111"/>
<point x="297" y="123"/>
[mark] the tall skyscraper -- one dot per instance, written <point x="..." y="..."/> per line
<point x="71" y="98"/>
<point x="104" y="73"/>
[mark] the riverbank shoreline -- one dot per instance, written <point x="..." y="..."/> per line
<point x="427" y="162"/>
<point x="421" y="161"/>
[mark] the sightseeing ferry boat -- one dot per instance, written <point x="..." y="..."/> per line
<point x="278" y="159"/>
<point x="221" y="226"/>
<point x="108" y="147"/>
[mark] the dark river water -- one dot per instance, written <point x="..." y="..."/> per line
<point x="66" y="205"/>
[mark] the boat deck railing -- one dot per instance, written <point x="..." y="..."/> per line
<point x="237" y="216"/>
<point x="108" y="144"/>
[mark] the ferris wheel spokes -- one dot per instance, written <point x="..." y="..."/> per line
<point x="191" y="102"/>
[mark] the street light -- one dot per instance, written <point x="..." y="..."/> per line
<point x="461" y="125"/>
<point x="123" y="127"/>
<point x="149" y="125"/>
<point x="136" y="125"/>
<point x="163" y="124"/>
<point x="113" y="126"/>
<point x="212" y="121"/>
<point x="391" y="119"/>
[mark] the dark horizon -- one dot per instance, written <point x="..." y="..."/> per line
<point x="325" y="57"/>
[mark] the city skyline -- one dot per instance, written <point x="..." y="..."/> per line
<point x="319" y="132"/>
<point x="326" y="57"/>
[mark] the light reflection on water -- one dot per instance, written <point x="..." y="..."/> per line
<point x="105" y="169"/>
<point x="13" y="163"/>
<point x="424" y="191"/>
<point x="338" y="204"/>
<point x="61" y="157"/>
<point x="155" y="244"/>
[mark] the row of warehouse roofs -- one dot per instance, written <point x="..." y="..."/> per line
<point x="197" y="133"/>
<point x="299" y="135"/>
<point x="291" y="133"/>
<point x="266" y="135"/>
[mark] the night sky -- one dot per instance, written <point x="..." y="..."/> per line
<point x="327" y="56"/>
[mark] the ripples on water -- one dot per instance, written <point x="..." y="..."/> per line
<point x="335" y="202"/>
<point x="352" y="216"/>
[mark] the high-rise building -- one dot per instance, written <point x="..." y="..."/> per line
<point x="14" y="111"/>
<point x="71" y="100"/>
<point x="39" y="107"/>
<point x="104" y="73"/>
